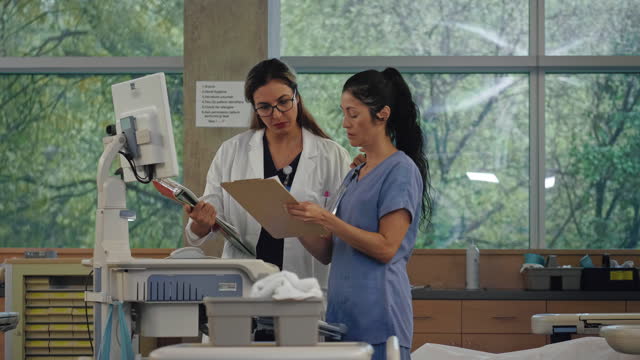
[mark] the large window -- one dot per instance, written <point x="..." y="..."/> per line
<point x="58" y="60"/>
<point x="529" y="145"/>
<point x="529" y="107"/>
<point x="474" y="124"/>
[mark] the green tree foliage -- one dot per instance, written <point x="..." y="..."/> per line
<point x="91" y="28"/>
<point x="593" y="147"/>
<point x="404" y="27"/>
<point x="52" y="125"/>
<point x="592" y="27"/>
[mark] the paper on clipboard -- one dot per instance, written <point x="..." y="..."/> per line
<point x="264" y="199"/>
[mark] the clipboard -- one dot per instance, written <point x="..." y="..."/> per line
<point x="264" y="199"/>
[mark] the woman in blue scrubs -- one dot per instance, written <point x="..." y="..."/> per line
<point x="379" y="209"/>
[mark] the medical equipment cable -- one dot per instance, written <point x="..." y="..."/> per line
<point x="148" y="169"/>
<point x="86" y="310"/>
<point x="116" y="331"/>
<point x="118" y="337"/>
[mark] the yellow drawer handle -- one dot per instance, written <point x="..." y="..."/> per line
<point x="504" y="317"/>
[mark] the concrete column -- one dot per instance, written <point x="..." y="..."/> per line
<point x="223" y="39"/>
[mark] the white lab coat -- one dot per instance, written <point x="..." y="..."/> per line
<point x="322" y="167"/>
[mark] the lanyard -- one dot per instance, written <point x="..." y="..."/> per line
<point x="343" y="189"/>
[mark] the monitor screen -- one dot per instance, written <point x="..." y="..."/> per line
<point x="142" y="112"/>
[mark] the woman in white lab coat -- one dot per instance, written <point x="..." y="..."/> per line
<point x="283" y="140"/>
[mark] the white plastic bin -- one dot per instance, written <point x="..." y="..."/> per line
<point x="295" y="322"/>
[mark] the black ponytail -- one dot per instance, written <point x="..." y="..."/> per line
<point x="388" y="88"/>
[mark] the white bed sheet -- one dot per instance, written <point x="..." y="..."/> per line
<point x="587" y="348"/>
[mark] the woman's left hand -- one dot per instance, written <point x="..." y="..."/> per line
<point x="308" y="212"/>
<point x="359" y="159"/>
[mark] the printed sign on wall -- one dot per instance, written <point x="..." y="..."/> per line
<point x="221" y="104"/>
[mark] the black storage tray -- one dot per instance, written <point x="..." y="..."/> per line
<point x="610" y="279"/>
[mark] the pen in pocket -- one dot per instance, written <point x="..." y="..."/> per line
<point x="326" y="196"/>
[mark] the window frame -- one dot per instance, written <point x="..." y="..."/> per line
<point x="91" y="65"/>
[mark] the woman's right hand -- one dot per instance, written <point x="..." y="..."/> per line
<point x="203" y="216"/>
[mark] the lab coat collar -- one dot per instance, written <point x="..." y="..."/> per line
<point x="309" y="145"/>
<point x="256" y="166"/>
<point x="307" y="162"/>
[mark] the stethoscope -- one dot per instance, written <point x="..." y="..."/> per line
<point x="343" y="189"/>
<point x="287" y="170"/>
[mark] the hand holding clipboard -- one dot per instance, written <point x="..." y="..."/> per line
<point x="264" y="199"/>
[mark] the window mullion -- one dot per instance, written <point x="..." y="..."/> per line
<point x="96" y="65"/>
<point x="273" y="39"/>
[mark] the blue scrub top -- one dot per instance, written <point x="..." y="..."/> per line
<point x="374" y="299"/>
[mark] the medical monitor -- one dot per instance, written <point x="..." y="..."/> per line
<point x="141" y="108"/>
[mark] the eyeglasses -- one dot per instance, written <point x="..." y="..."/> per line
<point x="283" y="105"/>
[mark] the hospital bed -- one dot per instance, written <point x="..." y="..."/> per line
<point x="621" y="330"/>
<point x="585" y="348"/>
<point x="619" y="340"/>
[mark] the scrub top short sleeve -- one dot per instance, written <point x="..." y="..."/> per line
<point x="400" y="191"/>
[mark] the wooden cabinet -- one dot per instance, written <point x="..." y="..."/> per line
<point x="436" y="316"/>
<point x="495" y="325"/>
<point x="437" y="322"/>
<point x="500" y="325"/>
<point x="633" y="306"/>
<point x="499" y="316"/>
<point x="477" y="324"/>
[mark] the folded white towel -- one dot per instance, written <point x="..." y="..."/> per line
<point x="285" y="285"/>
